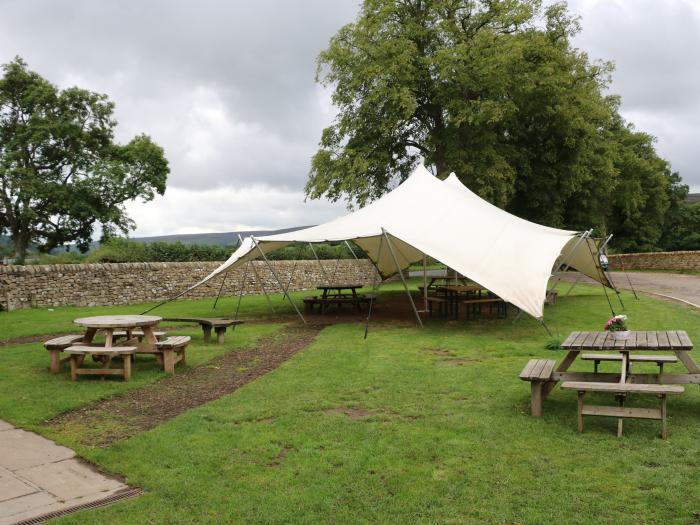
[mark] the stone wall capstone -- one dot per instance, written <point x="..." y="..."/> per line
<point x="656" y="261"/>
<point x="129" y="283"/>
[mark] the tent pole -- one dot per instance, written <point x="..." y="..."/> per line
<point x="375" y="285"/>
<point x="605" y="288"/>
<point x="323" y="270"/>
<point x="566" y="266"/>
<point x="351" y="251"/>
<point x="545" y="327"/>
<point x="272" y="271"/>
<point x="622" y="264"/>
<point x="398" y="268"/>
<point x="258" y="280"/>
<point x="240" y="294"/>
<point x="221" y="288"/>
<point x="291" y="275"/>
<point x="166" y="301"/>
<point x="425" y="282"/>
<point x="607" y="274"/>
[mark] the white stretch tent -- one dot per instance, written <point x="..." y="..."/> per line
<point x="508" y="255"/>
<point x="581" y="256"/>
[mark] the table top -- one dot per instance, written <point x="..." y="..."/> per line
<point x="638" y="340"/>
<point x="338" y="286"/>
<point x="118" y="321"/>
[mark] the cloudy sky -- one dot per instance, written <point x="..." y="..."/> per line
<point x="227" y="88"/>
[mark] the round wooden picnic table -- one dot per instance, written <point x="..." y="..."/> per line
<point x="118" y="321"/>
<point x="109" y="323"/>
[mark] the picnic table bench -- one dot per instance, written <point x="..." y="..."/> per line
<point x="219" y="324"/>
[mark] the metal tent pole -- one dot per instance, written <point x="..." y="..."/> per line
<point x="291" y="275"/>
<point x="272" y="271"/>
<point x="629" y="281"/>
<point x="425" y="282"/>
<point x="566" y="266"/>
<point x="605" y="288"/>
<point x="375" y="285"/>
<point x="323" y="270"/>
<point x="241" y="290"/>
<point x="258" y="280"/>
<point x="220" y="290"/>
<point x="398" y="268"/>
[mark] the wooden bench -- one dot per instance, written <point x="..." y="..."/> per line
<point x="658" y="359"/>
<point x="310" y="302"/>
<point x="441" y="302"/>
<point x="57" y="345"/>
<point x="135" y="333"/>
<point x="538" y="372"/>
<point x="491" y="301"/>
<point x="78" y="353"/>
<point x="219" y="324"/>
<point x="621" y="390"/>
<point x="172" y="351"/>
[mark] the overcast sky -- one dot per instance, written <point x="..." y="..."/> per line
<point x="227" y="88"/>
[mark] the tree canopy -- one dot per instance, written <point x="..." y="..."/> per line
<point x="494" y="91"/>
<point x="61" y="171"/>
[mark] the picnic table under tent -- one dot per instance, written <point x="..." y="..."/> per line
<point x="424" y="216"/>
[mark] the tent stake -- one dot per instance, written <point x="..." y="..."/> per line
<point x="272" y="271"/>
<point x="398" y="267"/>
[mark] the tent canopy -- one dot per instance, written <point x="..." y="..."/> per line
<point x="508" y="255"/>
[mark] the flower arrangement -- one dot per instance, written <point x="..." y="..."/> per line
<point x="617" y="324"/>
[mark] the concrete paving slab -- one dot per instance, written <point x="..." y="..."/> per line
<point x="13" y="487"/>
<point x="4" y="425"/>
<point x="70" y="479"/>
<point x="20" y="449"/>
<point x="38" y="477"/>
<point x="12" y="510"/>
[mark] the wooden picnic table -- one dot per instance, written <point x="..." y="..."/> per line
<point x="338" y="294"/>
<point x="110" y="323"/>
<point x="676" y="341"/>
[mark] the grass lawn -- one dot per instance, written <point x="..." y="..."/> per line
<point x="406" y="426"/>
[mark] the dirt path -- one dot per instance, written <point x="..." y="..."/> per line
<point x="120" y="417"/>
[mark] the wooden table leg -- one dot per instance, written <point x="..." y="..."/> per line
<point x="55" y="356"/>
<point x="664" y="433"/>
<point x="74" y="367"/>
<point x="89" y="335"/>
<point x="620" y="421"/>
<point x="207" y="333"/>
<point x="109" y="337"/>
<point x="220" y="331"/>
<point x="127" y="367"/>
<point x="579" y="420"/>
<point x="563" y="367"/>
<point x="690" y="365"/>
<point x="536" y="398"/>
<point x="625" y="364"/>
<point x="169" y="361"/>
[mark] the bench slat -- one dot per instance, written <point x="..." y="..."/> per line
<point x="537" y="369"/>
<point x="623" y="388"/>
<point x="547" y="369"/>
<point x="684" y="339"/>
<point x="58" y="343"/>
<point x="100" y="350"/>
<point x="633" y="358"/>
<point x="570" y="339"/>
<point x="174" y="342"/>
<point x="663" y="340"/>
<point x="625" y="412"/>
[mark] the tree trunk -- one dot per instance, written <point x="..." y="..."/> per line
<point x="21" y="242"/>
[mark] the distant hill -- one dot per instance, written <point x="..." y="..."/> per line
<point x="693" y="197"/>
<point x="220" y="239"/>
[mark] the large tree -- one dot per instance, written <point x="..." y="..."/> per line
<point x="489" y="89"/>
<point x="61" y="171"/>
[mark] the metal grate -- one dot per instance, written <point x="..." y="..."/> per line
<point x="125" y="494"/>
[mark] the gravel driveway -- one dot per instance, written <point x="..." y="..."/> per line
<point x="674" y="285"/>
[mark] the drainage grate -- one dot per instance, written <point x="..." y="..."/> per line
<point x="124" y="494"/>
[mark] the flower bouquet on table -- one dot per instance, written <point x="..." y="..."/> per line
<point x="618" y="326"/>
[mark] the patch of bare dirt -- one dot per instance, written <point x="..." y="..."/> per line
<point x="352" y="413"/>
<point x="438" y="351"/>
<point x="120" y="417"/>
<point x="280" y="457"/>
<point x="459" y="361"/>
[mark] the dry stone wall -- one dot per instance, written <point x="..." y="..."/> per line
<point x="656" y="261"/>
<point x="128" y="283"/>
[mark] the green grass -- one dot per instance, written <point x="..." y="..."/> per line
<point x="440" y="433"/>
